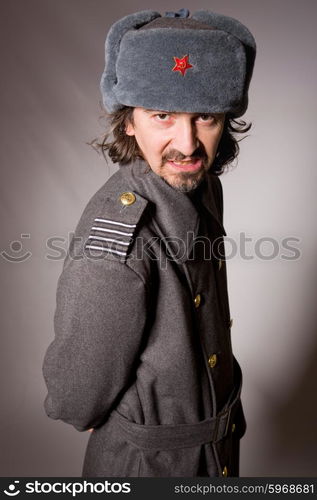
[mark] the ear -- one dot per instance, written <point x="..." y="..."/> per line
<point x="129" y="129"/>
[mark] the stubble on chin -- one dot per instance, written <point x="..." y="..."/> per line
<point x="185" y="182"/>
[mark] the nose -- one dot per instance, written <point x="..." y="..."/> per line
<point x="185" y="137"/>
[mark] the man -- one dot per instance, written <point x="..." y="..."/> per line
<point x="142" y="350"/>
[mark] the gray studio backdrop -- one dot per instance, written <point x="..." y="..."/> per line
<point x="52" y="58"/>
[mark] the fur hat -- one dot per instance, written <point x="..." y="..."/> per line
<point x="201" y="63"/>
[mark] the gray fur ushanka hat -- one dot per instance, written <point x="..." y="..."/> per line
<point x="197" y="64"/>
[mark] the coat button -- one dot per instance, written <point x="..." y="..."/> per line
<point x="225" y="471"/>
<point x="219" y="264"/>
<point x="197" y="300"/>
<point x="212" y="360"/>
<point x="127" y="198"/>
<point x="231" y="323"/>
<point x="233" y="428"/>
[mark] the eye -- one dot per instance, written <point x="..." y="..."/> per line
<point x="206" y="118"/>
<point x="162" y="117"/>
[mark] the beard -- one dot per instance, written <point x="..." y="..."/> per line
<point x="185" y="181"/>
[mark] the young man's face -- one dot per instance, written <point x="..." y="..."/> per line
<point x="179" y="147"/>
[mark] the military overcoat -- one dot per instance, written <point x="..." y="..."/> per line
<point x="142" y="350"/>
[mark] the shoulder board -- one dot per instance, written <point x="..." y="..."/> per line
<point x="113" y="227"/>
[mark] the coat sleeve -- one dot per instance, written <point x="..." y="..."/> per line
<point x="99" y="323"/>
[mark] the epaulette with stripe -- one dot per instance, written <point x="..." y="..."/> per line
<point x="114" y="227"/>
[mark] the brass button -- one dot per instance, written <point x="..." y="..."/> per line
<point x="233" y="428"/>
<point x="197" y="300"/>
<point x="212" y="360"/>
<point x="127" y="198"/>
<point x="219" y="264"/>
<point x="225" y="472"/>
<point x="231" y="322"/>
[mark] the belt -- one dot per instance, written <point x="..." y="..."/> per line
<point x="167" y="437"/>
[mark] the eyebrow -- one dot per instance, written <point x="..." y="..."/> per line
<point x="163" y="112"/>
<point x="158" y="111"/>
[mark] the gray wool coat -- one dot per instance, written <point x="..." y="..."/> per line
<point x="142" y="349"/>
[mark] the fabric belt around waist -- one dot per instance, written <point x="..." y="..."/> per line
<point x="166" y="437"/>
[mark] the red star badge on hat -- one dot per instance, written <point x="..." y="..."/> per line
<point x="182" y="64"/>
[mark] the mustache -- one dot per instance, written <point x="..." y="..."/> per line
<point x="174" y="154"/>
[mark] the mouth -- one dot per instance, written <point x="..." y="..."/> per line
<point x="191" y="165"/>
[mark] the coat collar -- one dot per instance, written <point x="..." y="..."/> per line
<point x="176" y="214"/>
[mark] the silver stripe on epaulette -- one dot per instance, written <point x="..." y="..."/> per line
<point x="94" y="247"/>
<point x="109" y="239"/>
<point x="114" y="222"/>
<point x="96" y="228"/>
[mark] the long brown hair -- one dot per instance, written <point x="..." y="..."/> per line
<point x="123" y="148"/>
